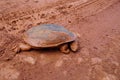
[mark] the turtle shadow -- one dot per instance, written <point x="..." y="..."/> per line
<point x="47" y="50"/>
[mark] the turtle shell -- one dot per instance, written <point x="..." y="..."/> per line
<point x="48" y="35"/>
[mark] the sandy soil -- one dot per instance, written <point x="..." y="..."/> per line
<point x="97" y="22"/>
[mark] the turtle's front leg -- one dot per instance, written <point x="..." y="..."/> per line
<point x="74" y="46"/>
<point x="22" y="47"/>
<point x="64" y="48"/>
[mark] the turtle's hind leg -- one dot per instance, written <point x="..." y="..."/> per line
<point x="64" y="48"/>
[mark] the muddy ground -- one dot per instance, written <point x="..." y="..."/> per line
<point x="96" y="21"/>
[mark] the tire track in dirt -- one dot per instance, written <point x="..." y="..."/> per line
<point x="20" y="21"/>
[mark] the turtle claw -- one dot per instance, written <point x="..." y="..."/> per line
<point x="16" y="49"/>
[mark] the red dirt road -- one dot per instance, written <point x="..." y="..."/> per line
<point x="97" y="22"/>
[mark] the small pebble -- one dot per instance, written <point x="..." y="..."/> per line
<point x="96" y="60"/>
<point x="30" y="60"/>
<point x="59" y="63"/>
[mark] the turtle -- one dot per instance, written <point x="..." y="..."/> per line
<point x="46" y="36"/>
